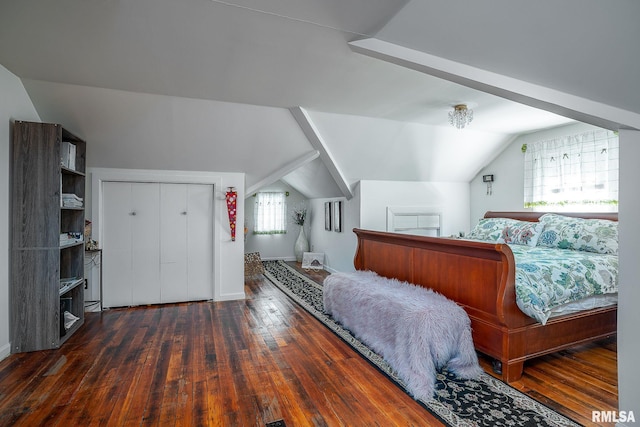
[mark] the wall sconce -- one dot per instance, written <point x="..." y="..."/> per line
<point x="488" y="179"/>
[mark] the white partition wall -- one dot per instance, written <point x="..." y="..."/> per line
<point x="449" y="200"/>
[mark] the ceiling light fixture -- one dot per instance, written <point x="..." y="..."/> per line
<point x="460" y="116"/>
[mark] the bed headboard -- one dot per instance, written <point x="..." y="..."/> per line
<point x="533" y="216"/>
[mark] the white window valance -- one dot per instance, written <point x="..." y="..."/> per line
<point x="577" y="172"/>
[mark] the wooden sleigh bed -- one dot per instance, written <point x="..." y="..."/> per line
<point x="480" y="276"/>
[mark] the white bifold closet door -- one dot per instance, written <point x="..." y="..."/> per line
<point x="157" y="243"/>
<point x="185" y="242"/>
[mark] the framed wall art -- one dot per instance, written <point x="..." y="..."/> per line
<point x="327" y="216"/>
<point x="337" y="216"/>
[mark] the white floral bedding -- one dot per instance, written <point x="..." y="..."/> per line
<point x="547" y="278"/>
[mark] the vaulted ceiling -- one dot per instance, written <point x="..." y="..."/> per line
<point x="377" y="119"/>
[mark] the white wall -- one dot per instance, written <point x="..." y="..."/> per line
<point x="629" y="296"/>
<point x="338" y="247"/>
<point x="276" y="246"/>
<point x="451" y="199"/>
<point x="14" y="105"/>
<point x="507" y="170"/>
<point x="145" y="131"/>
<point x="368" y="210"/>
<point x="228" y="255"/>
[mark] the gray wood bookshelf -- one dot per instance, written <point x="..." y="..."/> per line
<point x="46" y="270"/>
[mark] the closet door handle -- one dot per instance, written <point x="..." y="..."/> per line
<point x="183" y="213"/>
<point x="132" y="213"/>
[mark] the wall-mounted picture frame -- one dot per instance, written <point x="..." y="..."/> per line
<point x="337" y="216"/>
<point x="327" y="216"/>
<point x="313" y="261"/>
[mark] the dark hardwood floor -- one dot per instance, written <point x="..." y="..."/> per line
<point x="247" y="363"/>
<point x="574" y="382"/>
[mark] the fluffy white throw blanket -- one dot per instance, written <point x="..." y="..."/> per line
<point x="416" y="330"/>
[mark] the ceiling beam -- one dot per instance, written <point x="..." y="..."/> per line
<point x="314" y="137"/>
<point x="567" y="105"/>
<point x="283" y="171"/>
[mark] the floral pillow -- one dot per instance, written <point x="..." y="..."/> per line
<point x="590" y="235"/>
<point x="521" y="233"/>
<point x="490" y="229"/>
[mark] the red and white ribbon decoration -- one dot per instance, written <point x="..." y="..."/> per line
<point x="232" y="199"/>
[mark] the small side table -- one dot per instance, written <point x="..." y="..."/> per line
<point x="96" y="260"/>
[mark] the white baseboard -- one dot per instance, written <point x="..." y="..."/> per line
<point x="231" y="297"/>
<point x="5" y="351"/>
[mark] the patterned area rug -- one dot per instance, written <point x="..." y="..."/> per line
<point x="483" y="402"/>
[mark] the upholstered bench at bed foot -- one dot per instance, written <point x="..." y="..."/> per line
<point x="416" y="330"/>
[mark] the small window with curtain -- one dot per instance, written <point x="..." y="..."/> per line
<point x="573" y="173"/>
<point x="270" y="212"/>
